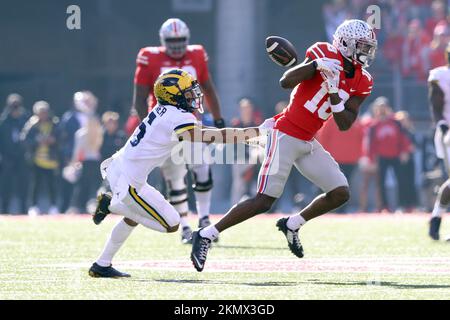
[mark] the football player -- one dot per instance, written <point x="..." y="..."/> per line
<point x="178" y="96"/>
<point x="175" y="52"/>
<point x="439" y="95"/>
<point x="331" y="82"/>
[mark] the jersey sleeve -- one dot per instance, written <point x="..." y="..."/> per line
<point x="365" y="84"/>
<point x="434" y="76"/>
<point x="143" y="73"/>
<point x="321" y="50"/>
<point x="184" y="122"/>
<point x="202" y="58"/>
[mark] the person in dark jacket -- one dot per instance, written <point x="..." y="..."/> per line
<point x="13" y="180"/>
<point x="41" y="141"/>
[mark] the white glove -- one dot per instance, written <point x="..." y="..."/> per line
<point x="329" y="66"/>
<point x="267" y="125"/>
<point x="331" y="81"/>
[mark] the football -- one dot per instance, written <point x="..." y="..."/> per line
<point x="281" y="51"/>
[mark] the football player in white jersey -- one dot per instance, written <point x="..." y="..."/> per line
<point x="170" y="122"/>
<point x="439" y="94"/>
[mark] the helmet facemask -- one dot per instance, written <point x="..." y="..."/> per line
<point x="365" y="52"/>
<point x="193" y="98"/>
<point x="175" y="47"/>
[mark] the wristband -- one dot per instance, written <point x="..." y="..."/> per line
<point x="336" y="108"/>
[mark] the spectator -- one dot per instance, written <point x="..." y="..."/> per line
<point x="88" y="142"/>
<point x="344" y="146"/>
<point x="84" y="106"/>
<point x="439" y="13"/>
<point x="243" y="173"/>
<point x="13" y="180"/>
<point x="407" y="192"/>
<point x="41" y="140"/>
<point x="415" y="51"/>
<point x="387" y="144"/>
<point x="113" y="138"/>
<point x="437" y="56"/>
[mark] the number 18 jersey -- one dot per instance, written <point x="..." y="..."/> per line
<point x="309" y="106"/>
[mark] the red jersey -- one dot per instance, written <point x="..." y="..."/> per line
<point x="152" y="61"/>
<point x="309" y="106"/>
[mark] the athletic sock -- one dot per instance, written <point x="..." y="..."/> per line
<point x="210" y="232"/>
<point x="184" y="221"/>
<point x="119" y="234"/>
<point x="295" y="222"/>
<point x="438" y="209"/>
<point x="203" y="203"/>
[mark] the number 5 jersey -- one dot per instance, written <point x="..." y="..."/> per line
<point x="309" y="105"/>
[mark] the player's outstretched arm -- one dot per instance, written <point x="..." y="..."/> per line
<point x="214" y="135"/>
<point x="212" y="100"/>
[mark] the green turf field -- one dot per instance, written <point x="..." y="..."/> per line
<point x="351" y="257"/>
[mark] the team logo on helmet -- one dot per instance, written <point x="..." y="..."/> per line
<point x="179" y="88"/>
<point x="356" y="41"/>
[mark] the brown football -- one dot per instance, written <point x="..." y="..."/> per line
<point x="281" y="51"/>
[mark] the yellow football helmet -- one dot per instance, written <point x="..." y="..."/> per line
<point x="179" y="88"/>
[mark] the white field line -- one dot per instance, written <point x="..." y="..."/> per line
<point x="392" y="265"/>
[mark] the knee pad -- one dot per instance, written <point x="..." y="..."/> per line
<point x="202" y="186"/>
<point x="178" y="196"/>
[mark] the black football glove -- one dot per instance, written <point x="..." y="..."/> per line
<point x="443" y="126"/>
<point x="219" y="123"/>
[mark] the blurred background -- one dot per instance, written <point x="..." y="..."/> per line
<point x="41" y="59"/>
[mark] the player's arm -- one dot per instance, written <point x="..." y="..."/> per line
<point x="214" y="135"/>
<point x="307" y="69"/>
<point x="212" y="101"/>
<point x="345" y="114"/>
<point x="304" y="71"/>
<point x="436" y="97"/>
<point x="140" y="95"/>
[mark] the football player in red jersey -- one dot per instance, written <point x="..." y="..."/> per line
<point x="331" y="81"/>
<point x="175" y="52"/>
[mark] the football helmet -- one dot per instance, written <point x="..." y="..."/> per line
<point x="174" y="35"/>
<point x="179" y="88"/>
<point x="356" y="41"/>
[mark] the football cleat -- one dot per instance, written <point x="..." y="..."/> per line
<point x="200" y="247"/>
<point x="186" y="235"/>
<point x="203" y="223"/>
<point x="292" y="237"/>
<point x="435" y="224"/>
<point x="97" y="271"/>
<point x="103" y="201"/>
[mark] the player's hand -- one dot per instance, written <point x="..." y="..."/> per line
<point x="267" y="125"/>
<point x="329" y="66"/>
<point x="331" y="81"/>
<point x="443" y="126"/>
<point x="219" y="123"/>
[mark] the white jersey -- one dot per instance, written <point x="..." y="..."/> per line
<point x="441" y="75"/>
<point x="152" y="142"/>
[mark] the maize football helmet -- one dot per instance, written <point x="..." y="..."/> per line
<point x="179" y="88"/>
<point x="174" y="35"/>
<point x="356" y="41"/>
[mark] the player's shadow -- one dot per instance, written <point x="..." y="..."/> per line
<point x="391" y="284"/>
<point x="253" y="284"/>
<point x="221" y="246"/>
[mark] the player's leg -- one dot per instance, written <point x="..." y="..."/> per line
<point x="202" y="185"/>
<point x="320" y="168"/>
<point x="272" y="178"/>
<point x="440" y="206"/>
<point x="174" y="176"/>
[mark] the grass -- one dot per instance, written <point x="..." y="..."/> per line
<point x="348" y="257"/>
